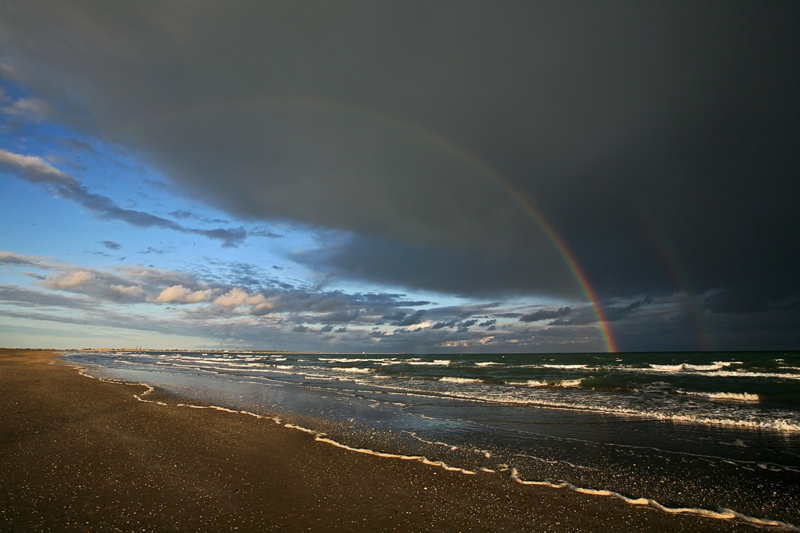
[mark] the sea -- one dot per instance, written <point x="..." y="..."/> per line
<point x="713" y="433"/>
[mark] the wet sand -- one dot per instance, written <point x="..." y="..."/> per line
<point x="79" y="454"/>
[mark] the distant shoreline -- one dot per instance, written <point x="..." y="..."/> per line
<point x="82" y="454"/>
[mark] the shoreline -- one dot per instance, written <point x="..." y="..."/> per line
<point x="84" y="454"/>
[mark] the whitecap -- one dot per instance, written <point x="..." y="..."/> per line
<point x="726" y="396"/>
<point x="459" y="380"/>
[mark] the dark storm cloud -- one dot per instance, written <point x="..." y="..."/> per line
<point x="576" y="317"/>
<point x="545" y="314"/>
<point x="456" y="271"/>
<point x="738" y="300"/>
<point x="77" y="145"/>
<point x="394" y="316"/>
<point x="614" y="313"/>
<point x="659" y="139"/>
<point x="586" y="315"/>
<point x="403" y="318"/>
<point x="411" y="319"/>
<point x="340" y="316"/>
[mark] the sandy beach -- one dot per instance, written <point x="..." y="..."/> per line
<point x="80" y="454"/>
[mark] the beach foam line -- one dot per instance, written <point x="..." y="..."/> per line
<point x="320" y="437"/>
<point x="216" y="407"/>
<point x="420" y="458"/>
<point x="553" y="462"/>
<point x="721" y="513"/>
<point x="437" y="443"/>
<point x="486" y="453"/>
<point x="251" y="414"/>
<point x="83" y="372"/>
<point x="304" y="430"/>
<point x="148" y="391"/>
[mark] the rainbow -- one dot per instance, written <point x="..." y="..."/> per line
<point x="549" y="231"/>
<point x="574" y="268"/>
<point x="555" y="239"/>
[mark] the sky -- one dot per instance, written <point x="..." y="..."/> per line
<point x="415" y="177"/>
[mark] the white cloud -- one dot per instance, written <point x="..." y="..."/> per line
<point x="69" y="280"/>
<point x="237" y="297"/>
<point x="231" y="299"/>
<point x="175" y="293"/>
<point x="256" y="300"/>
<point x="198" y="296"/>
<point x="179" y="293"/>
<point x="129" y="291"/>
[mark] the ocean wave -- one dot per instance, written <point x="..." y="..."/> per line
<point x="529" y="383"/>
<point x="686" y="366"/>
<point x="352" y="359"/>
<point x="559" y="398"/>
<point x="460" y="380"/>
<point x="564" y="383"/>
<point x="688" y="370"/>
<point x="354" y="370"/>
<point x="726" y="396"/>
